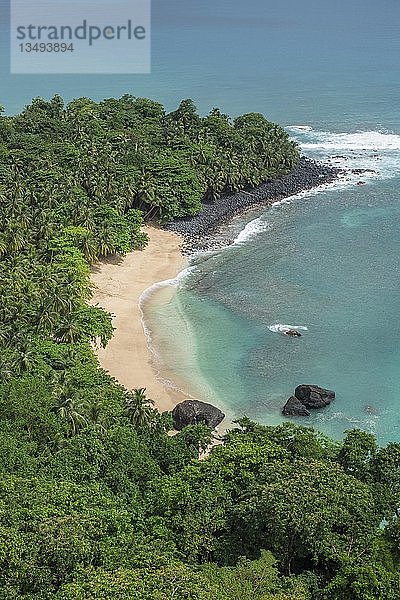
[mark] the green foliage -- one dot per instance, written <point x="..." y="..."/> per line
<point x="366" y="582"/>
<point x="298" y="441"/>
<point x="98" y="500"/>
<point x="357" y="453"/>
<point x="92" y="322"/>
<point x="26" y="404"/>
<point x="256" y="580"/>
<point x="174" y="581"/>
<point x="57" y="527"/>
<point x="385" y="473"/>
<point x="134" y="219"/>
<point x="331" y="515"/>
<point x="139" y="409"/>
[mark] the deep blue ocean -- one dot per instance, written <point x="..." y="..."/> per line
<point x="329" y="261"/>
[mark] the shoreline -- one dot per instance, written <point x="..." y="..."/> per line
<point x="200" y="231"/>
<point x="119" y="284"/>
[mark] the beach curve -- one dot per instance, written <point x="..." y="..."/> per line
<point x="118" y="288"/>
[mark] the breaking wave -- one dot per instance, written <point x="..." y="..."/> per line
<point x="167" y="282"/>
<point x="377" y="153"/>
<point x="252" y="229"/>
<point x="299" y="128"/>
<point x="376" y="150"/>
<point x="281" y="328"/>
<point x="360" y="140"/>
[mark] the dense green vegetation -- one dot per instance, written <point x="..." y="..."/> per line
<point x="97" y="501"/>
<point x="77" y="182"/>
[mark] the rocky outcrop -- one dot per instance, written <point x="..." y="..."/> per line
<point x="292" y="333"/>
<point x="200" y="232"/>
<point x="194" y="412"/>
<point x="313" y="396"/>
<point x="295" y="408"/>
<point x="305" y="397"/>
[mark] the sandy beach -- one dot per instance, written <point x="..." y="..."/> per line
<point x="118" y="287"/>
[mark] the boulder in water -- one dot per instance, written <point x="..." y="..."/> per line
<point x="194" y="412"/>
<point x="292" y="333"/>
<point x="295" y="408"/>
<point x="313" y="396"/>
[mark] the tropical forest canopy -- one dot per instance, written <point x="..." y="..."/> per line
<point x="97" y="500"/>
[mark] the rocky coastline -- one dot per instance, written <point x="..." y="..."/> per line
<point x="199" y="231"/>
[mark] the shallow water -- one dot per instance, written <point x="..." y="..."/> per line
<point x="327" y="261"/>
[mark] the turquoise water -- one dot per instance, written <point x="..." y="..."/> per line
<point x="329" y="261"/>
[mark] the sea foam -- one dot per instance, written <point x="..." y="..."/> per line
<point x="252" y="229"/>
<point x="173" y="282"/>
<point x="166" y="283"/>
<point x="282" y="328"/>
<point x="360" y="140"/>
<point x="375" y="150"/>
<point x="299" y="128"/>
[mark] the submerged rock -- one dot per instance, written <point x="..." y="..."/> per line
<point x="313" y="396"/>
<point x="194" y="412"/>
<point x="295" y="408"/>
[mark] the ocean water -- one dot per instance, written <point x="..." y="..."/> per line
<point x="329" y="63"/>
<point x="326" y="262"/>
<point x="329" y="260"/>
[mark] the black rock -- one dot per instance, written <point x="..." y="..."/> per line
<point x="313" y="396"/>
<point x="292" y="333"/>
<point x="194" y="412"/>
<point x="295" y="408"/>
<point x="201" y="231"/>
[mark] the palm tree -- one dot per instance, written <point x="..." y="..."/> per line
<point x="67" y="409"/>
<point x="145" y="192"/>
<point x="95" y="413"/>
<point x="46" y="319"/>
<point x="3" y="245"/>
<point x="139" y="408"/>
<point x="103" y="245"/>
<point x="69" y="332"/>
<point x="82" y="216"/>
<point x="27" y="358"/>
<point x="17" y="240"/>
<point x="87" y="246"/>
<point x="6" y="369"/>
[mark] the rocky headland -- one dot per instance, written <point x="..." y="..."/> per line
<point x="199" y="231"/>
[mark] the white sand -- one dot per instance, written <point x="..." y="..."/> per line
<point x="118" y="287"/>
